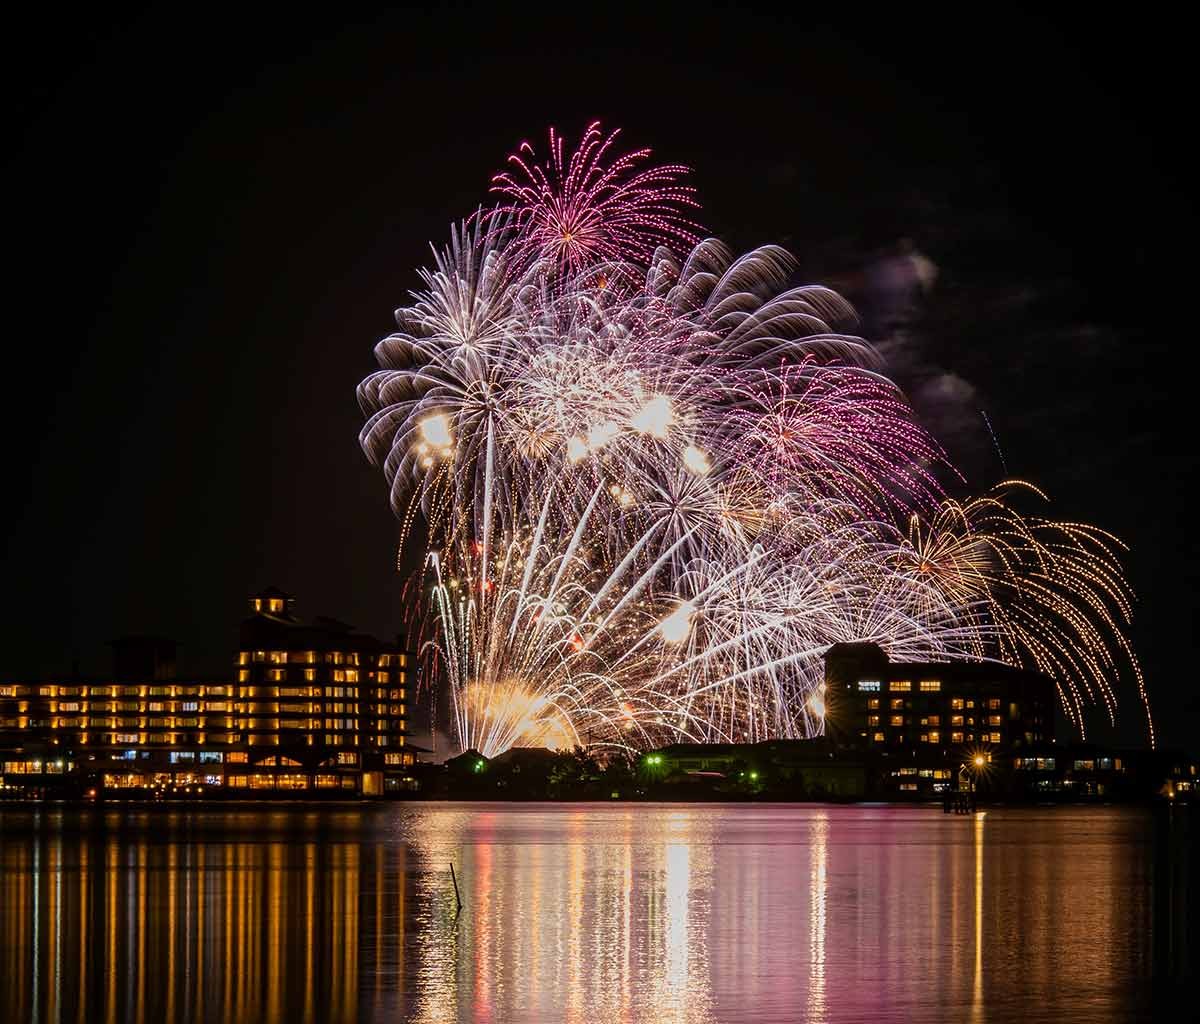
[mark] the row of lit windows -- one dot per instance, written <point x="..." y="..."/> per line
<point x="298" y="657"/>
<point x="900" y="685"/>
<point x="155" y="707"/>
<point x="936" y="737"/>
<point x="397" y="660"/>
<point x="185" y="698"/>
<point x="107" y="690"/>
<point x="926" y="686"/>
<point x="226" y="721"/>
<point x="956" y="704"/>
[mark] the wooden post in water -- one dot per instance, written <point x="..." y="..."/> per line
<point x="457" y="898"/>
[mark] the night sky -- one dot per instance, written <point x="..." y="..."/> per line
<point x="211" y="218"/>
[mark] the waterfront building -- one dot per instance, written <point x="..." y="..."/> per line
<point x="311" y="707"/>
<point x="930" y="727"/>
<point x="875" y="703"/>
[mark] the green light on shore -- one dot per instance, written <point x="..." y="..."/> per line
<point x="753" y="776"/>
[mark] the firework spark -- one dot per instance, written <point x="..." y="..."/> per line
<point x="595" y="206"/>
<point x="651" y="509"/>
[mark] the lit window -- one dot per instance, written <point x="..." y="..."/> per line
<point x="897" y="720"/>
<point x="956" y="719"/>
<point x="992" y="737"/>
<point x="956" y="703"/>
<point x="994" y="704"/>
<point x="872" y="719"/>
<point x="956" y="737"/>
<point x="900" y="685"/>
<point x="276" y="604"/>
<point x="935" y="737"/>
<point x="895" y="703"/>
<point x="877" y="737"/>
<point x="868" y="685"/>
<point x="995" y="720"/>
<point x="931" y="685"/>
<point x="347" y="757"/>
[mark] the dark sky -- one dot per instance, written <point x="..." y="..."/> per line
<point x="211" y="216"/>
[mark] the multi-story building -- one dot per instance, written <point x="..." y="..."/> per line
<point x="931" y="726"/>
<point x="311" y="707"/>
<point x="872" y="702"/>
<point x="318" y="695"/>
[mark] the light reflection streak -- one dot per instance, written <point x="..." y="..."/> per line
<point x="598" y="915"/>
<point x="977" y="987"/>
<point x="817" y="897"/>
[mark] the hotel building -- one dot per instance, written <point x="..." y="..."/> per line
<point x="311" y="707"/>
<point x="923" y="721"/>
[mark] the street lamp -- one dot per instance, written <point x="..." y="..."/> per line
<point x="964" y="769"/>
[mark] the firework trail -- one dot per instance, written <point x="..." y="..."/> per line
<point x="657" y="487"/>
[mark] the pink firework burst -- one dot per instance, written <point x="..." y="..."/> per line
<point x="595" y="207"/>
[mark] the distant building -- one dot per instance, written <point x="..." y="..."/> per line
<point x="313" y="707"/>
<point x="872" y="702"/>
<point x="930" y="727"/>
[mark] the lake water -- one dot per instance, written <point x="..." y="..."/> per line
<point x="594" y="913"/>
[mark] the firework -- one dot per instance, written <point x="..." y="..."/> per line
<point x="657" y="488"/>
<point x="593" y="207"/>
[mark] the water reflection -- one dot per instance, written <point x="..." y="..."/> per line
<point x="591" y="913"/>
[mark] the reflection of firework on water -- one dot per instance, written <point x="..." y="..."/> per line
<point x="652" y="508"/>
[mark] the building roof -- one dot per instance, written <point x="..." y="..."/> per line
<point x="872" y="656"/>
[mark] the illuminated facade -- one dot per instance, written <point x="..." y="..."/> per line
<point x="876" y="703"/>
<point x="313" y="707"/>
<point x="921" y="724"/>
